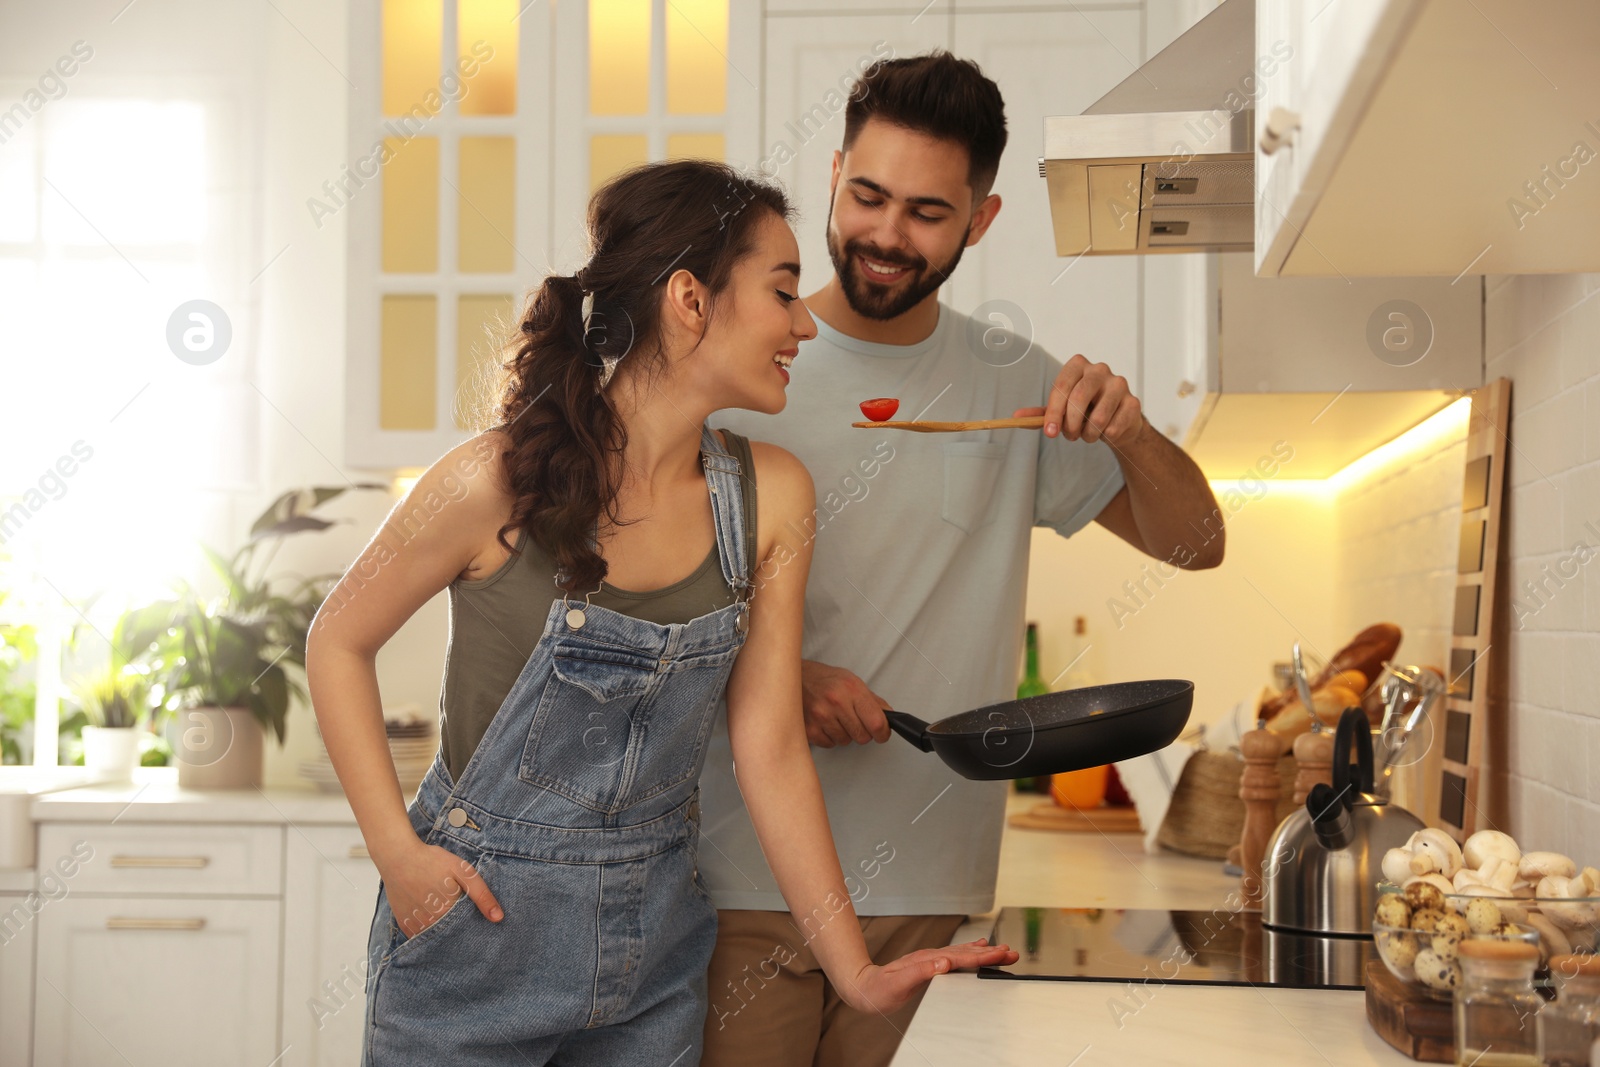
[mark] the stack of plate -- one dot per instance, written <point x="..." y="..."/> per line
<point x="413" y="742"/>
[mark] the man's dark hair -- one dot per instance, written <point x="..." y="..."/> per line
<point x="940" y="96"/>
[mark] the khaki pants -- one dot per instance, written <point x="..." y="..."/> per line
<point x="772" y="1006"/>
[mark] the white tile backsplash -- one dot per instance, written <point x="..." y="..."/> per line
<point x="1397" y="528"/>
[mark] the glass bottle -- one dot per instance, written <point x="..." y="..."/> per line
<point x="1571" y="1025"/>
<point x="1032" y="685"/>
<point x="1077" y="674"/>
<point x="1496" y="1006"/>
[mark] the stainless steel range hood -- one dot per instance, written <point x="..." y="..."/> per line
<point x="1164" y="162"/>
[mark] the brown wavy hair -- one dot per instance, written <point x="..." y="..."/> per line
<point x="566" y="435"/>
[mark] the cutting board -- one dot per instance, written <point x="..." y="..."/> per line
<point x="1048" y="815"/>
<point x="1416" y="1024"/>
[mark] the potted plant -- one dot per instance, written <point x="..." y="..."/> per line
<point x="17" y="647"/>
<point x="226" y="666"/>
<point x="114" y="701"/>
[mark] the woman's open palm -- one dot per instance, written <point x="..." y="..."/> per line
<point x="887" y="988"/>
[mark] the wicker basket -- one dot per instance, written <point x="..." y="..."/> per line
<point x="1206" y="816"/>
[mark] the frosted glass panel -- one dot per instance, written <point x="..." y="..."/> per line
<point x="697" y="64"/>
<point x="411" y="205"/>
<point x="695" y="146"/>
<point x="486" y="32"/>
<point x="407" y="362"/>
<point x="619" y="57"/>
<point x="413" y="32"/>
<point x="486" y="204"/>
<point x="483" y="323"/>
<point x="613" y="152"/>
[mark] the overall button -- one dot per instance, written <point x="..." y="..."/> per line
<point x="457" y="817"/>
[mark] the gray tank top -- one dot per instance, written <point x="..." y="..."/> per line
<point x="495" y="622"/>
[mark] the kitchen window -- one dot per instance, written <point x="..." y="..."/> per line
<point x="119" y="211"/>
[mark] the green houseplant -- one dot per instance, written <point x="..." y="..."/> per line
<point x="17" y="647"/>
<point x="226" y="666"/>
<point x="115" y="702"/>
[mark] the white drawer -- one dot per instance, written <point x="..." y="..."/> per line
<point x="203" y="859"/>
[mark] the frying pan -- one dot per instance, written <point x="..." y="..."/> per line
<point x="1056" y="732"/>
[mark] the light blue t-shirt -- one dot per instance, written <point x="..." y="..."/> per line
<point x="918" y="585"/>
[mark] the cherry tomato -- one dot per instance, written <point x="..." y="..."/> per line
<point x="881" y="409"/>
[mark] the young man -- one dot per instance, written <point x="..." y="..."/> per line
<point x="918" y="578"/>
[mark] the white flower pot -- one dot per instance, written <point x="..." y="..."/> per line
<point x="217" y="748"/>
<point x="111" y="752"/>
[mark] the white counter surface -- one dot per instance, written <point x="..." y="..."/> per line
<point x="965" y="1020"/>
<point x="154" y="796"/>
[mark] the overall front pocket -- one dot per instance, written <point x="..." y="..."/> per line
<point x="583" y="725"/>
<point x="671" y="728"/>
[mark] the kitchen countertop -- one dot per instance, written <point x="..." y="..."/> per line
<point x="965" y="1020"/>
<point x="154" y="796"/>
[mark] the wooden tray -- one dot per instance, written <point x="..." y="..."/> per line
<point x="1411" y="1021"/>
<point x="1048" y="815"/>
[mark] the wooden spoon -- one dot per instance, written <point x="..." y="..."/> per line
<point x="1027" y="422"/>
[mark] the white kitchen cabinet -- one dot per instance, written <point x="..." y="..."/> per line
<point x="213" y="859"/>
<point x="176" y="982"/>
<point x="1051" y="62"/>
<point x="1179" y="315"/>
<point x="17" y="935"/>
<point x="579" y="162"/>
<point x="421" y="308"/>
<point x="1338" y="55"/>
<point x="1330" y="368"/>
<point x="330" y="893"/>
<point x="920" y="10"/>
<point x="1428" y="138"/>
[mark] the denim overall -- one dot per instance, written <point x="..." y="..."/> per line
<point x="580" y="808"/>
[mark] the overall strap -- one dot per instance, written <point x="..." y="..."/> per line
<point x="725" y="479"/>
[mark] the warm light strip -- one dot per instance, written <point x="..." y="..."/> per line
<point x="1426" y="437"/>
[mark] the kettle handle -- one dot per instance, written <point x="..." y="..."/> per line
<point x="1353" y="729"/>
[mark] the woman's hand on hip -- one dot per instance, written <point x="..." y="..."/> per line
<point x="425" y="881"/>
<point x="888" y="988"/>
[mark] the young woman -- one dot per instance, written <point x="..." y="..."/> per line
<point x="540" y="900"/>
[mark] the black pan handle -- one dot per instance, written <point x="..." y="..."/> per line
<point x="909" y="727"/>
<point x="1354" y="729"/>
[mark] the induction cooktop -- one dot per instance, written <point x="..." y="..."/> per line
<point x="1217" y="947"/>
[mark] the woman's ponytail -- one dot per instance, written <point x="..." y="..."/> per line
<point x="566" y="436"/>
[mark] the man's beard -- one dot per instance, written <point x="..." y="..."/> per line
<point x="880" y="302"/>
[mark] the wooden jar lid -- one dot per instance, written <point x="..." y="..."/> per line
<point x="1480" y="948"/>
<point x="1578" y="963"/>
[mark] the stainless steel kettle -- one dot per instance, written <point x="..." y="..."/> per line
<point x="1323" y="864"/>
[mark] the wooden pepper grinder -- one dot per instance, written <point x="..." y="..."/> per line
<point x="1259" y="788"/>
<point x="1313" y="753"/>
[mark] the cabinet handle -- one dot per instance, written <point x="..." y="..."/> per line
<point x="1278" y="130"/>
<point x="359" y="852"/>
<point x="116" y="923"/>
<point x="167" y="862"/>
